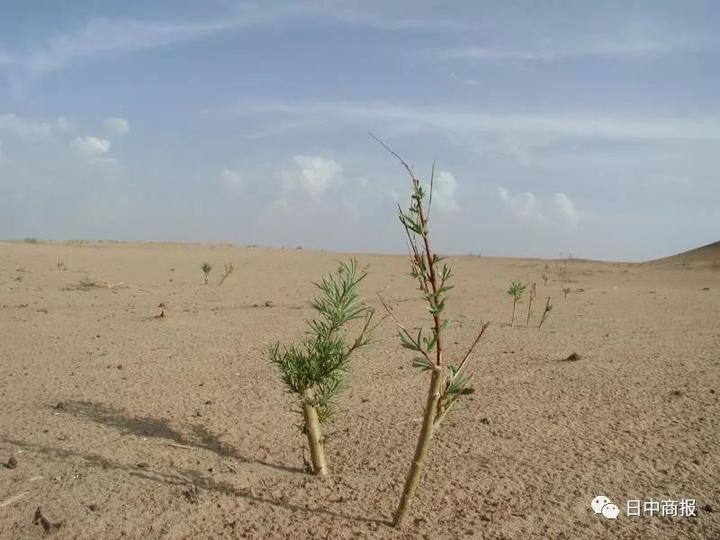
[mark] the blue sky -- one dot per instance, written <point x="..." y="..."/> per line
<point x="558" y="127"/>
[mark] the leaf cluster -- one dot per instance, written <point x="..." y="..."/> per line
<point x="516" y="290"/>
<point x="426" y="270"/>
<point x="433" y="282"/>
<point x="319" y="360"/>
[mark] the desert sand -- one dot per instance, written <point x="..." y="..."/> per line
<point x="124" y="424"/>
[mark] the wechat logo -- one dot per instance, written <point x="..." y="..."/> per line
<point x="602" y="505"/>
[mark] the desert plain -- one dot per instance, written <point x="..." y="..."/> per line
<point x="117" y="422"/>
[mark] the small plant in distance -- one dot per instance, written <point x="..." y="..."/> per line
<point x="206" y="269"/>
<point x="226" y="272"/>
<point x="546" y="311"/>
<point x="314" y="369"/>
<point x="448" y="382"/>
<point x="566" y="291"/>
<point x="516" y="290"/>
<point x="531" y="297"/>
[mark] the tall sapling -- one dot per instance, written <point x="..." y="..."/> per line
<point x="447" y="383"/>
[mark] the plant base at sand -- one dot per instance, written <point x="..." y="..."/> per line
<point x="314" y="368"/>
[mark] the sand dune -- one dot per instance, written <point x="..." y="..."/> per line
<point x="709" y="254"/>
<point x="128" y="425"/>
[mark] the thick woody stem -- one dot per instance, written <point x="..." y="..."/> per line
<point x="314" y="434"/>
<point x="421" y="449"/>
<point x="530" y="302"/>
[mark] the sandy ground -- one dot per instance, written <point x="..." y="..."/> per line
<point x="125" y="425"/>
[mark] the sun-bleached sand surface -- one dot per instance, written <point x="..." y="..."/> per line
<point x="125" y="424"/>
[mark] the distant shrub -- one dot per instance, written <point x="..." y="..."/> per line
<point x="516" y="291"/>
<point x="226" y="272"/>
<point x="206" y="269"/>
<point x="546" y="311"/>
<point x="531" y="297"/>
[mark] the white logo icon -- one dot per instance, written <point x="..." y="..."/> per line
<point x="598" y="502"/>
<point x="602" y="505"/>
<point x="610" y="511"/>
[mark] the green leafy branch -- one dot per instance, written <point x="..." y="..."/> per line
<point x="320" y="360"/>
<point x="433" y="282"/>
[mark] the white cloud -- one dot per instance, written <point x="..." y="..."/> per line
<point x="62" y="125"/>
<point x="25" y="129"/>
<point x="623" y="40"/>
<point x="32" y="131"/>
<point x="92" y="146"/>
<point x="449" y="119"/>
<point x="314" y="174"/>
<point x="580" y="49"/>
<point x="103" y="36"/>
<point x="444" y="187"/>
<point x="232" y="180"/>
<point x="566" y="207"/>
<point x="529" y="208"/>
<point x="462" y="80"/>
<point x="117" y="126"/>
<point x="523" y="206"/>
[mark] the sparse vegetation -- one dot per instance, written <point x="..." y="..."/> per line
<point x="61" y="265"/>
<point x="226" y="272"/>
<point x="314" y="369"/>
<point x="531" y="297"/>
<point x="516" y="291"/>
<point x="566" y="291"/>
<point x="87" y="283"/>
<point x="561" y="269"/>
<point x="206" y="269"/>
<point x="546" y="311"/>
<point x="447" y="383"/>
